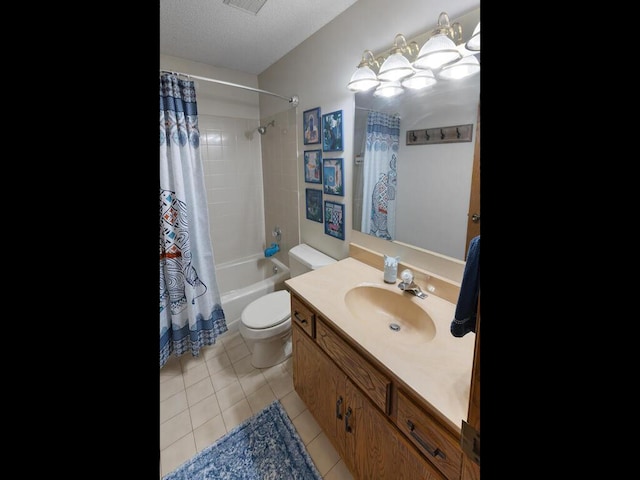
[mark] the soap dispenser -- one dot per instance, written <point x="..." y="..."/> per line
<point x="390" y="269"/>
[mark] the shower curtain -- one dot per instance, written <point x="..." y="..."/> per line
<point x="380" y="180"/>
<point x="191" y="314"/>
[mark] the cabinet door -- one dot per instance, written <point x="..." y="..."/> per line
<point x="374" y="448"/>
<point x="320" y="385"/>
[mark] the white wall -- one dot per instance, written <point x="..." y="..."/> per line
<point x="318" y="70"/>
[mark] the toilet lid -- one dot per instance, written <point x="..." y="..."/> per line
<point x="267" y="311"/>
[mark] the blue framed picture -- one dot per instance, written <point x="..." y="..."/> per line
<point x="313" y="166"/>
<point x="311" y="126"/>
<point x="334" y="219"/>
<point x="314" y="204"/>
<point x="333" y="177"/>
<point x="332" y="138"/>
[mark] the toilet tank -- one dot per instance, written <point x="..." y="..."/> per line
<point x="303" y="259"/>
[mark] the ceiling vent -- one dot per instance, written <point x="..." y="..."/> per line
<point x="249" y="6"/>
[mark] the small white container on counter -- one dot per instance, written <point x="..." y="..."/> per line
<point x="390" y="269"/>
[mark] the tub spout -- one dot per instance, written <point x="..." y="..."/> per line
<point x="272" y="250"/>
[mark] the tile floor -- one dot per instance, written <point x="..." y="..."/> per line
<point x="203" y="398"/>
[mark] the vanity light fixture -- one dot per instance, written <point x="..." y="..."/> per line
<point x="443" y="56"/>
<point x="473" y="43"/>
<point x="397" y="65"/>
<point x="389" y="89"/>
<point x="462" y="68"/>
<point x="421" y="79"/>
<point x="440" y="49"/>
<point x="364" y="78"/>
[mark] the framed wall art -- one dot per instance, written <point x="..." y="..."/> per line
<point x="314" y="204"/>
<point x="332" y="139"/>
<point x="311" y="126"/>
<point x="334" y="219"/>
<point x="333" y="177"/>
<point x="313" y="166"/>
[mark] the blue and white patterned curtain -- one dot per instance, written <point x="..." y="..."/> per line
<point x="191" y="314"/>
<point x="380" y="180"/>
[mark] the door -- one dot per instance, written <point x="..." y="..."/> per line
<point x="473" y="221"/>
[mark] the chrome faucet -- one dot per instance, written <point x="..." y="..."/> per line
<point x="408" y="285"/>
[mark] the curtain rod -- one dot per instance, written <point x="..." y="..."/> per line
<point x="292" y="100"/>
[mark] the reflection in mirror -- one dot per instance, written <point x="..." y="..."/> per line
<point x="424" y="198"/>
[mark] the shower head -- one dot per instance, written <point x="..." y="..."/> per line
<point x="263" y="130"/>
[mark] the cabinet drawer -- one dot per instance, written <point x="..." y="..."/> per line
<point x="370" y="381"/>
<point x="435" y="443"/>
<point x="303" y="316"/>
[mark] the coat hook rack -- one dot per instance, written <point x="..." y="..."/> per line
<point x="452" y="134"/>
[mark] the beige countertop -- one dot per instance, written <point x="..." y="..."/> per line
<point x="439" y="370"/>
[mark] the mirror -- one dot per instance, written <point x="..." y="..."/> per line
<point x="433" y="181"/>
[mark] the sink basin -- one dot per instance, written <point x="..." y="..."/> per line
<point x="395" y="316"/>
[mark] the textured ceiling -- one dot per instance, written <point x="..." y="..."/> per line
<point x="208" y="31"/>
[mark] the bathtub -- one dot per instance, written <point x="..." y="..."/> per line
<point x="242" y="281"/>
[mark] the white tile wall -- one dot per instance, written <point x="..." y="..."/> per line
<point x="233" y="178"/>
<point x="251" y="182"/>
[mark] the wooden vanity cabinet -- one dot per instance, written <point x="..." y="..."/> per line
<point x="351" y="400"/>
<point x="320" y="385"/>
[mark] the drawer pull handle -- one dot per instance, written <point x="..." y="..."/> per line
<point x="347" y="427"/>
<point x="434" y="452"/>
<point x="338" y="404"/>
<point x="301" y="320"/>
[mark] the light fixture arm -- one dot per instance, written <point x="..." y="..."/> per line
<point x="400" y="45"/>
<point x="368" y="60"/>
<point x="451" y="30"/>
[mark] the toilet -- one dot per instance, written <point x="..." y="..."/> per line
<point x="265" y="323"/>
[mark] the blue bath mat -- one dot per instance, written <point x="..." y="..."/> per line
<point x="263" y="447"/>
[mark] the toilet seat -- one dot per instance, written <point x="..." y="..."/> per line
<point x="267" y="311"/>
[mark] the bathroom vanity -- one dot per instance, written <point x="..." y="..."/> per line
<point x="392" y="401"/>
